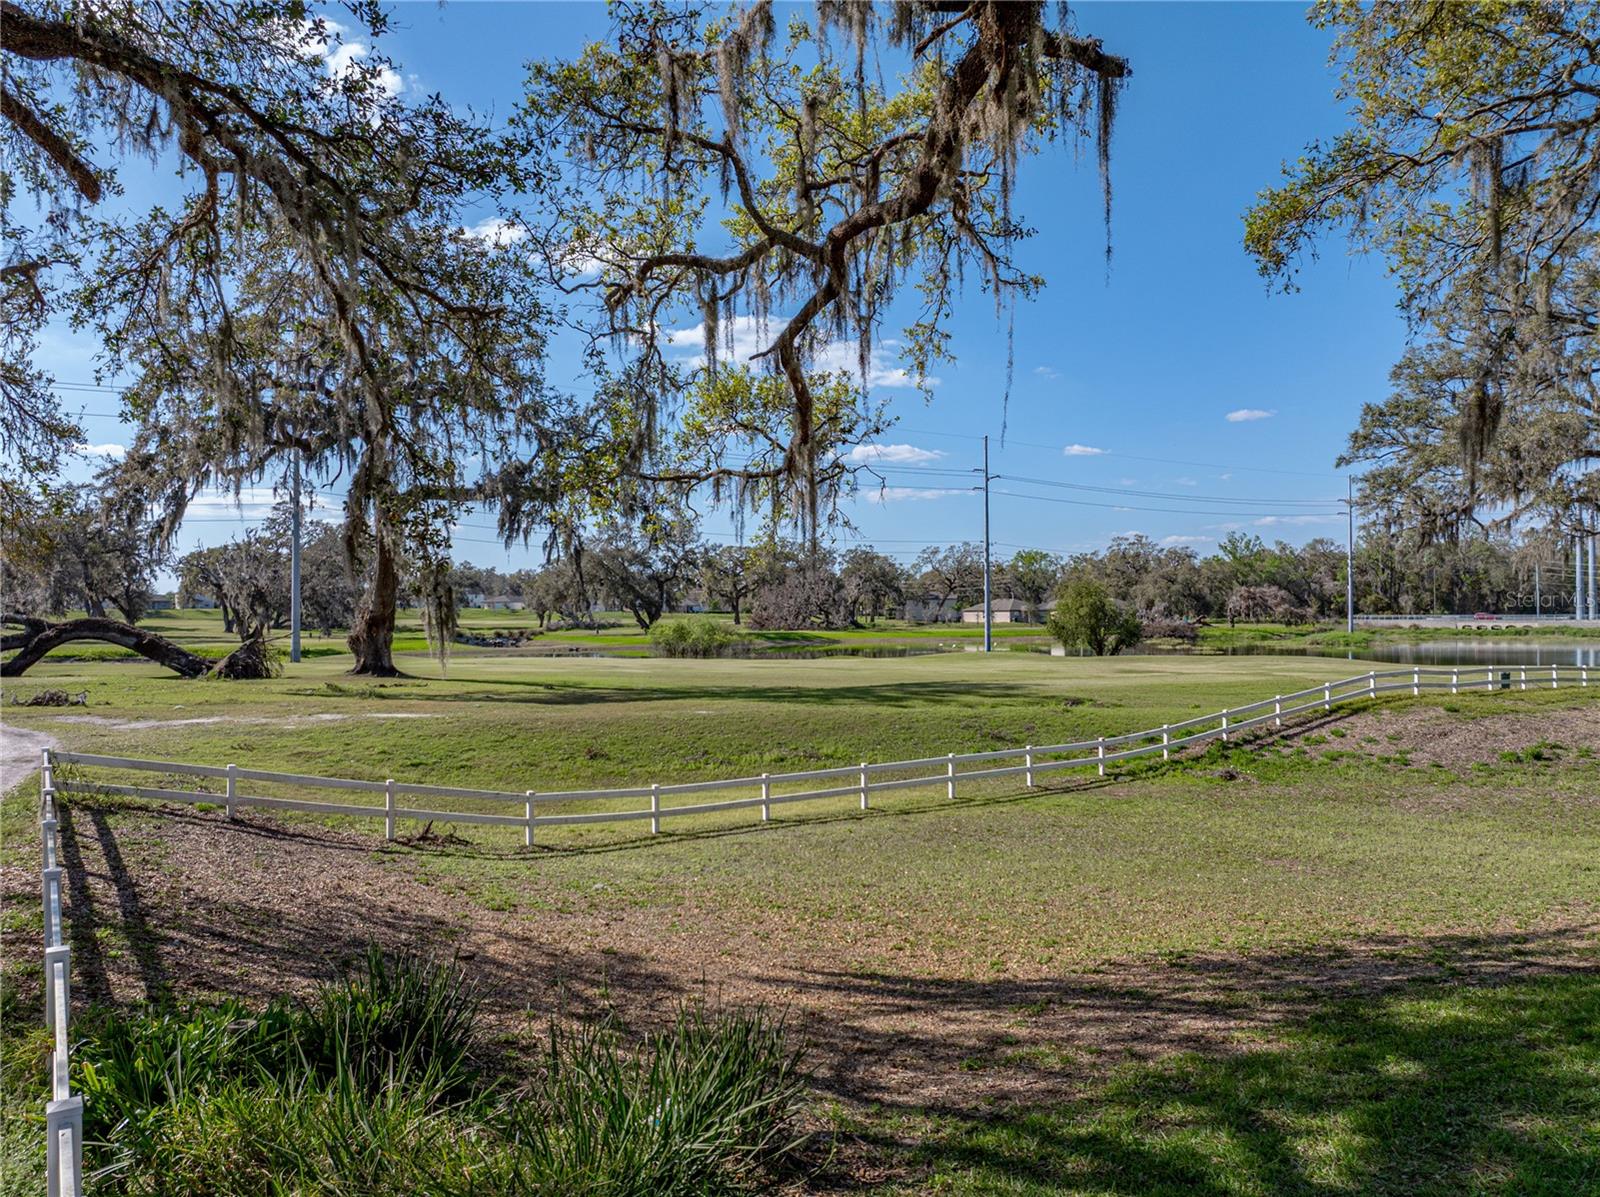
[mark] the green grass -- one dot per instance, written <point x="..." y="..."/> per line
<point x="1243" y="853"/>
<point x="1432" y="1093"/>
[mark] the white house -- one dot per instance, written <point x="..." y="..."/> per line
<point x="504" y="602"/>
<point x="1005" y="611"/>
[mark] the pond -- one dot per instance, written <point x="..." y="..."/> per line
<point x="1462" y="652"/>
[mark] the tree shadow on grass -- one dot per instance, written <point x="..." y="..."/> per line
<point x="1465" y="1089"/>
<point x="918" y="692"/>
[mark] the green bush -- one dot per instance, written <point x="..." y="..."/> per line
<point x="1086" y="617"/>
<point x="692" y="637"/>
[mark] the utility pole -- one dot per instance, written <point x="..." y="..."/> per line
<point x="988" y="605"/>
<point x="1538" y="607"/>
<point x="1350" y="554"/>
<point x="294" y="566"/>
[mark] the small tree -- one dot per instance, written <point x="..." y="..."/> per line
<point x="1086" y="617"/>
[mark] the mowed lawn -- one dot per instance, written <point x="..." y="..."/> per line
<point x="1360" y="957"/>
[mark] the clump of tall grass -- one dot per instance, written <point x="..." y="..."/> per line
<point x="705" y="1107"/>
<point x="373" y="1087"/>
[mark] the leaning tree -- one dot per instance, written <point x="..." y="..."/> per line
<point x="766" y="185"/>
<point x="1473" y="165"/>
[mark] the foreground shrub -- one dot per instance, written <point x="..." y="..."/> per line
<point x="369" y="1089"/>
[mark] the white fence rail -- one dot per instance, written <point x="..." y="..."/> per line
<point x="64" y="1114"/>
<point x="405" y="800"/>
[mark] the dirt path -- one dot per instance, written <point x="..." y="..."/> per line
<point x="19" y="754"/>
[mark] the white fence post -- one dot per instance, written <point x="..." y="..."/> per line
<point x="527" y="830"/>
<point x="1583" y="675"/>
<point x="388" y="809"/>
<point x="51" y="885"/>
<point x="950" y="776"/>
<point x="1455" y="681"/>
<point x="47" y="780"/>
<point x="233" y="788"/>
<point x="1166" y="739"/>
<point x="1554" y="678"/>
<point x="1327" y="696"/>
<point x="1523" y="676"/>
<point x="1416" y="682"/>
<point x="1029" y="758"/>
<point x="1224" y="727"/>
<point x="1100" y="753"/>
<point x="1372" y="683"/>
<point x="1277" y="710"/>
<point x="63" y="1120"/>
<point x="655" y="808"/>
<point x="863" y="785"/>
<point x="766" y="797"/>
<point x="62" y="954"/>
<point x="1488" y="678"/>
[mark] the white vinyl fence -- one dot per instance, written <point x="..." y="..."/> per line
<point x="766" y="791"/>
<point x="63" y="1115"/>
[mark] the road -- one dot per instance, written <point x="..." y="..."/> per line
<point x="19" y="754"/>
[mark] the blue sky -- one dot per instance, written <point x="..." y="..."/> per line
<point x="1138" y="373"/>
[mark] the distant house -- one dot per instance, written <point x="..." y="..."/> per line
<point x="930" y="608"/>
<point x="503" y="602"/>
<point x="201" y="602"/>
<point x="472" y="598"/>
<point x="1005" y="611"/>
<point x="162" y="602"/>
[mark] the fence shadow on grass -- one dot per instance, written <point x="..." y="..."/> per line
<point x="1485" y="1085"/>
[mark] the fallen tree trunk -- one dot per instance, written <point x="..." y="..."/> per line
<point x="40" y="636"/>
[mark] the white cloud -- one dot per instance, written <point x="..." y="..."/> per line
<point x="902" y="494"/>
<point x="342" y="57"/>
<point x="114" y="451"/>
<point x="891" y="455"/>
<point x="749" y="336"/>
<point x="1083" y="451"/>
<point x="496" y="231"/>
<point x="1047" y="372"/>
<point x="1127" y="482"/>
<point x="1268" y="521"/>
<point x="252" y="502"/>
<point x="1224" y="477"/>
<point x="1185" y="482"/>
<point x="1184" y="539"/>
<point x="1245" y="414"/>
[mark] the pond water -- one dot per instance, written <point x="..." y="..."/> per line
<point x="1462" y="652"/>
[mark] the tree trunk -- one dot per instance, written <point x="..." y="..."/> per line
<point x="41" y="637"/>
<point x="372" y="633"/>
